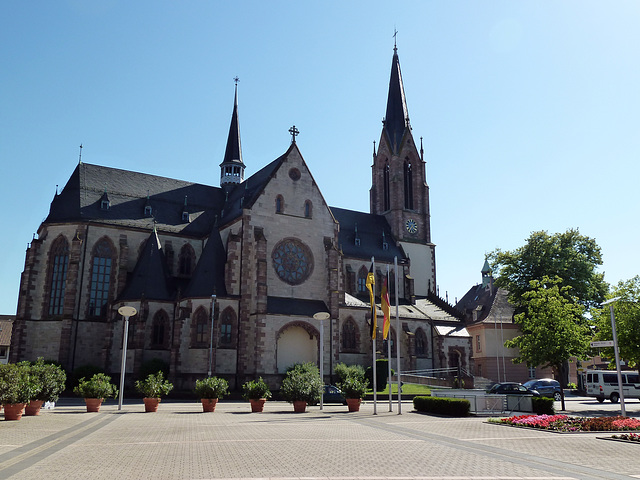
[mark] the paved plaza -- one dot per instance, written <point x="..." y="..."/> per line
<point x="181" y="442"/>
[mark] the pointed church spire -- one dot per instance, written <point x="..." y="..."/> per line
<point x="397" y="117"/>
<point x="232" y="167"/>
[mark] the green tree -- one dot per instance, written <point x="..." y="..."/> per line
<point x="553" y="327"/>
<point x="570" y="256"/>
<point x="627" y="314"/>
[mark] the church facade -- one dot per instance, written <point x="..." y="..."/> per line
<point x="227" y="279"/>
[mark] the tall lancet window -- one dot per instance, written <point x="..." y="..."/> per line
<point x="59" y="260"/>
<point x="385" y="185"/>
<point x="100" y="278"/>
<point x="408" y="186"/>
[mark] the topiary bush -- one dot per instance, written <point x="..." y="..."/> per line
<point x="453" y="407"/>
<point x="50" y="379"/>
<point x="98" y="386"/>
<point x="543" y="405"/>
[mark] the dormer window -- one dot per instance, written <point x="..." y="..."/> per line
<point x="104" y="204"/>
<point x="357" y="242"/>
<point x="385" y="246"/>
<point x="185" y="217"/>
<point x="147" y="211"/>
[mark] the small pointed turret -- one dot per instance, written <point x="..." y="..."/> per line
<point x="232" y="167"/>
<point x="397" y="116"/>
<point x="486" y="274"/>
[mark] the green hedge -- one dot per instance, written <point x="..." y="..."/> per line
<point x="453" y="407"/>
<point x="543" y="406"/>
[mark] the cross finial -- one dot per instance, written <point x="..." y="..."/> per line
<point x="294" y="132"/>
<point x="395" y="33"/>
<point x="236" y="79"/>
<point x="80" y="156"/>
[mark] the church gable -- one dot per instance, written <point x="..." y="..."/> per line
<point x="297" y="226"/>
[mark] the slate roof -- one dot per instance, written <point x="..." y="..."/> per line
<point x="295" y="306"/>
<point x="397" y="114"/>
<point x="370" y="229"/>
<point x="150" y="278"/>
<point x="80" y="200"/>
<point x="6" y="326"/>
<point x="233" y="152"/>
<point x="208" y="276"/>
<point x="480" y="298"/>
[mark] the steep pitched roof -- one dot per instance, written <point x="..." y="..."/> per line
<point x="397" y="116"/>
<point x="150" y="278"/>
<point x="81" y="201"/>
<point x="369" y="230"/>
<point x="233" y="152"/>
<point x="208" y="276"/>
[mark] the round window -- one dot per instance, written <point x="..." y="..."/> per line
<point x="292" y="261"/>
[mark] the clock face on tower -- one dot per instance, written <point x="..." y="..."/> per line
<point x="411" y="226"/>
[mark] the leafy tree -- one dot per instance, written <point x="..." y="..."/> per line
<point x="553" y="327"/>
<point x="570" y="256"/>
<point x="627" y="315"/>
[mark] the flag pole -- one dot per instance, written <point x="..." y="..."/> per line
<point x="398" y="377"/>
<point x="388" y="319"/>
<point x="374" y="327"/>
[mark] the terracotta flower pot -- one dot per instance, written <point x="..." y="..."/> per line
<point x="257" y="404"/>
<point x="33" y="408"/>
<point x="151" y="404"/>
<point x="13" y="411"/>
<point x="209" y="404"/>
<point x="354" y="404"/>
<point x="93" y="404"/>
<point x="299" y="406"/>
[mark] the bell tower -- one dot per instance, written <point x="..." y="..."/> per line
<point x="399" y="189"/>
<point x="232" y="167"/>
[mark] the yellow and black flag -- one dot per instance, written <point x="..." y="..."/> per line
<point x="371" y="286"/>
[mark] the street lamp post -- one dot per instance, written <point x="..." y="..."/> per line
<point x="126" y="311"/>
<point x="615" y="349"/>
<point x="322" y="316"/>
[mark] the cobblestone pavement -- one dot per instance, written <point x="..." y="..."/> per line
<point x="181" y="442"/>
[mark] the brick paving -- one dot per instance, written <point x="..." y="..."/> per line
<point x="181" y="442"/>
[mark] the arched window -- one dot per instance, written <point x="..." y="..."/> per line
<point x="279" y="204"/>
<point x="160" y="330"/>
<point x="186" y="260"/>
<point x="227" y="324"/>
<point x="58" y="263"/>
<point x="422" y="347"/>
<point x="386" y="199"/>
<point x="362" y="280"/>
<point x="350" y="336"/>
<point x="408" y="185"/>
<point x="101" y="266"/>
<point x="168" y="256"/>
<point x="307" y="209"/>
<point x="200" y="323"/>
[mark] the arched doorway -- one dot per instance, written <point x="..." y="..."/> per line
<point x="296" y="343"/>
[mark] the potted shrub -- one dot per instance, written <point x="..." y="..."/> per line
<point x="353" y="383"/>
<point x="210" y="390"/>
<point x="257" y="392"/>
<point x="16" y="389"/>
<point x="353" y="389"/>
<point x="95" y="390"/>
<point x="50" y="380"/>
<point x="302" y="385"/>
<point x="153" y="388"/>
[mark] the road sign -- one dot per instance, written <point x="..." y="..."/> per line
<point x="602" y="343"/>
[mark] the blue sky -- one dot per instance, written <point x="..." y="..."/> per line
<point x="529" y="110"/>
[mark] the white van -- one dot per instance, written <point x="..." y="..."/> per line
<point x="604" y="384"/>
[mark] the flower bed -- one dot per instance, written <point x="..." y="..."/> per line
<point x="564" y="423"/>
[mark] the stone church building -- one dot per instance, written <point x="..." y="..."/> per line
<point x="228" y="278"/>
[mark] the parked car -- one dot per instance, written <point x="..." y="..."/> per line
<point x="332" y="394"/>
<point x="511" y="388"/>
<point x="546" y="387"/>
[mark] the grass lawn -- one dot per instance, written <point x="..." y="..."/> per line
<point x="407" y="389"/>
